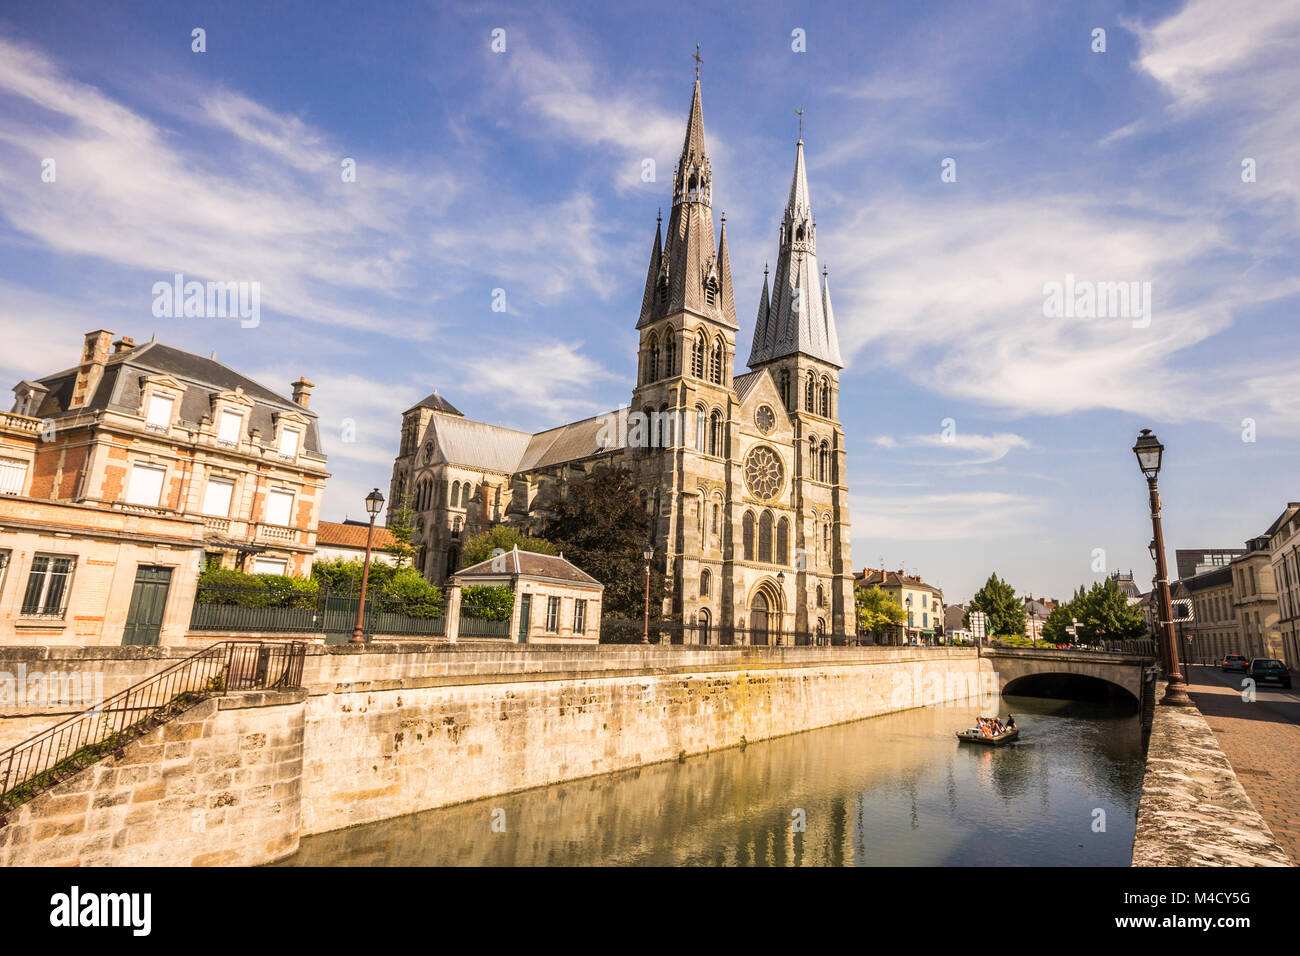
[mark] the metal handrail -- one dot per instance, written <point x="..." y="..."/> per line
<point x="56" y="753"/>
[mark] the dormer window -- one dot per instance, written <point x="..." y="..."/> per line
<point x="711" y="291"/>
<point x="230" y="428"/>
<point x="290" y="442"/>
<point x="159" y="417"/>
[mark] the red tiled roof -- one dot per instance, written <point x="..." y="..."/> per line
<point x="331" y="534"/>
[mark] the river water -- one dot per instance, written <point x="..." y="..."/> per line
<point x="891" y="790"/>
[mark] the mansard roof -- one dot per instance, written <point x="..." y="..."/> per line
<point x="120" y="389"/>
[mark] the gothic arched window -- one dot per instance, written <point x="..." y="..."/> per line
<point x="670" y="354"/>
<point x="699" y="355"/>
<point x="747" y="535"/>
<point x="701" y="428"/>
<point x="821" y="596"/>
<point x="783" y="541"/>
<point x="704" y="625"/>
<point x="823" y="470"/>
<point x="809" y="396"/>
<point x="826" y="398"/>
<point x="705" y="579"/>
<point x="785" y="388"/>
<point x="826" y="536"/>
<point x="652" y="359"/>
<point x="715" y="433"/>
<point x="812" y="457"/>
<point x="667" y="431"/>
<point x="765" y="537"/>
<point x="715" y="365"/>
<point x="455" y="494"/>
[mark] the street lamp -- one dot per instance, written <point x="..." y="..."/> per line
<point x="648" y="554"/>
<point x="780" y="580"/>
<point x="909" y="618"/>
<point x="1149" y="452"/>
<point x="374" y="502"/>
<point x="1033" y="623"/>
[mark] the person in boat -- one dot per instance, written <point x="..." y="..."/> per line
<point x="1011" y="722"/>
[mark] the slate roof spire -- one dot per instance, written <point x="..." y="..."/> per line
<point x="691" y="271"/>
<point x="798" y="317"/>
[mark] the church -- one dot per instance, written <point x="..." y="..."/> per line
<point x="744" y="474"/>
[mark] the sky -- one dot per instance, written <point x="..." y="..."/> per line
<point x="962" y="158"/>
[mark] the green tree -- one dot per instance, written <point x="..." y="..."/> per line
<point x="1054" y="628"/>
<point x="1005" y="612"/>
<point x="407" y="592"/>
<point x="877" y="610"/>
<point x="1105" y="613"/>
<point x="601" y="526"/>
<point x="480" y="546"/>
<point x="400" y="527"/>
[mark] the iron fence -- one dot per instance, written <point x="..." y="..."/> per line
<point x="478" y="627"/>
<point x="290" y="611"/>
<point x="70" y="746"/>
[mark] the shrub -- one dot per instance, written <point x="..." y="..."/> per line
<point x="493" y="602"/>
<point x="228" y="586"/>
<point x="407" y="592"/>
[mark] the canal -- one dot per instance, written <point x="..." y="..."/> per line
<point x="891" y="790"/>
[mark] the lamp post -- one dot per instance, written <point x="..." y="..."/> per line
<point x="780" y="580"/>
<point x="909" y="619"/>
<point x="1033" y="623"/>
<point x="374" y="502"/>
<point x="645" y="634"/>
<point x="1149" y="452"/>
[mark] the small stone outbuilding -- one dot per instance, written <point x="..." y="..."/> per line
<point x="556" y="602"/>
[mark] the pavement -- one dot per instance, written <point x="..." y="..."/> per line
<point x="1261" y="739"/>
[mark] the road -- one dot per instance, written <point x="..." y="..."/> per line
<point x="1262" y="741"/>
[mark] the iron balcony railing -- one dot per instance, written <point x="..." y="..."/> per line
<point x="69" y="747"/>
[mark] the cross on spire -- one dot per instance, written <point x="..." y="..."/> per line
<point x="697" y="59"/>
<point x="799" y="112"/>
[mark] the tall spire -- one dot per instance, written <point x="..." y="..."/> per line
<point x="800" y="321"/>
<point x="692" y="271"/>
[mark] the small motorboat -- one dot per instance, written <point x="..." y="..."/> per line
<point x="977" y="737"/>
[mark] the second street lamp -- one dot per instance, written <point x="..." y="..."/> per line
<point x="645" y="634"/>
<point x="1149" y="452"/>
<point x="374" y="502"/>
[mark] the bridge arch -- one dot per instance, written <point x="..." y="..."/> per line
<point x="1066" y="685"/>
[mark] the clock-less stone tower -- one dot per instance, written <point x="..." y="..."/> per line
<point x="745" y="475"/>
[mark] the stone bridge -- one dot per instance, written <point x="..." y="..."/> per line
<point x="1065" y="673"/>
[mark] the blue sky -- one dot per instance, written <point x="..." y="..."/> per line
<point x="521" y="171"/>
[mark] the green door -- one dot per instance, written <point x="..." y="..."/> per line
<point x="148" y="600"/>
<point x="525" y="612"/>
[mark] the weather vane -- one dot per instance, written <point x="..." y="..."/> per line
<point x="799" y="112"/>
<point x="698" y="61"/>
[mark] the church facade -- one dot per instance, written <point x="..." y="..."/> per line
<point x="744" y="474"/>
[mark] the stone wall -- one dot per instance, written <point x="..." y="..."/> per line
<point x="1194" y="811"/>
<point x="393" y="734"/>
<point x="390" y="729"/>
<point x="219" y="785"/>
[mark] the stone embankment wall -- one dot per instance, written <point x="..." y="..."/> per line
<point x="386" y="730"/>
<point x="1194" y="811"/>
<point x="220" y="784"/>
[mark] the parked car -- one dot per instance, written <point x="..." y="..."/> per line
<point x="1235" y="662"/>
<point x="1268" y="668"/>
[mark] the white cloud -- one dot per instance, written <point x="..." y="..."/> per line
<point x="975" y="449"/>
<point x="548" y="382"/>
<point x="956" y="516"/>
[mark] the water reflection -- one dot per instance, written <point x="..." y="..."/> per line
<point x="893" y="790"/>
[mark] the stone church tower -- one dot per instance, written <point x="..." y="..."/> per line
<point x="744" y="475"/>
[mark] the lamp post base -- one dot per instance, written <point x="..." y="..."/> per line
<point x="1176" y="695"/>
<point x="356" y="638"/>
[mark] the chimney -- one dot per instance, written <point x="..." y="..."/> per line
<point x="302" y="391"/>
<point x="124" y="344"/>
<point x="93" y="356"/>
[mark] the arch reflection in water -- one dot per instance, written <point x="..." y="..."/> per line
<point x="892" y="790"/>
